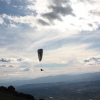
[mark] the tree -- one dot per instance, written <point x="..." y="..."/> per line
<point x="11" y="88"/>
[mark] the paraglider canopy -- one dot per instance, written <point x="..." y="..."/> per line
<point x="40" y="54"/>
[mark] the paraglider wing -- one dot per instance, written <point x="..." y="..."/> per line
<point x="40" y="54"/>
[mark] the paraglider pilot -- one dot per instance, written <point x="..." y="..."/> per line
<point x="40" y="54"/>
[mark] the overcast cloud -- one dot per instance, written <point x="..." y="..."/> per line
<point x="58" y="10"/>
<point x="67" y="30"/>
<point x="16" y="8"/>
<point x="90" y="60"/>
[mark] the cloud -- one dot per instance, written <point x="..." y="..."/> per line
<point x="90" y="2"/>
<point x="51" y="65"/>
<point x="7" y="66"/>
<point x="20" y="59"/>
<point x="14" y="13"/>
<point x="19" y="21"/>
<point x="16" y="8"/>
<point x="61" y="14"/>
<point x="2" y="65"/>
<point x="67" y="14"/>
<point x="94" y="60"/>
<point x="63" y="36"/>
<point x="26" y="69"/>
<point x="94" y="12"/>
<point x="14" y="60"/>
<point x="52" y="16"/>
<point x="1" y="21"/>
<point x="64" y="62"/>
<point x="61" y="10"/>
<point x="60" y="2"/>
<point x="42" y="22"/>
<point x="11" y="66"/>
<point x="58" y="10"/>
<point x="4" y="60"/>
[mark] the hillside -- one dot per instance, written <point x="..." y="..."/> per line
<point x="11" y="94"/>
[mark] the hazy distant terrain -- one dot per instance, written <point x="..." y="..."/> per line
<point x="64" y="91"/>
<point x="61" y="87"/>
<point x="58" y="78"/>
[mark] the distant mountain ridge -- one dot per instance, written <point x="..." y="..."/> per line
<point x="67" y="91"/>
<point x="57" y="78"/>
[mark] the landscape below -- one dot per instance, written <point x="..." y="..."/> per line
<point x="61" y="87"/>
<point x="64" y="91"/>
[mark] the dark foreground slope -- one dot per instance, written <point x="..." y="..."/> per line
<point x="64" y="91"/>
<point x="10" y="94"/>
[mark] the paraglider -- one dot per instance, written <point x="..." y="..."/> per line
<point x="40" y="54"/>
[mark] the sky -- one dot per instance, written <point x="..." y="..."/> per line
<point x="68" y="31"/>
